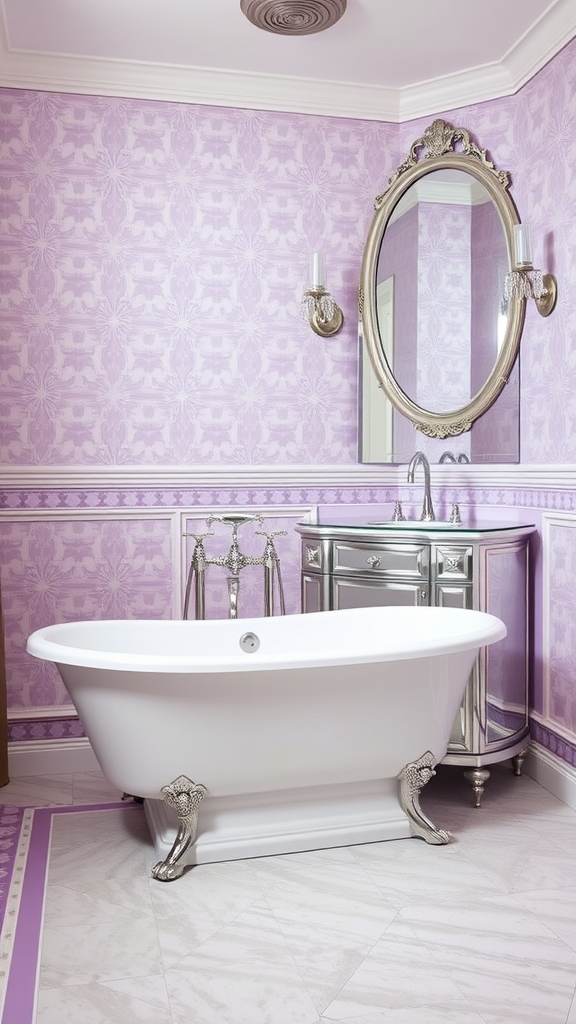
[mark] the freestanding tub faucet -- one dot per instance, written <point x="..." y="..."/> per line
<point x="234" y="561"/>
<point x="427" y="508"/>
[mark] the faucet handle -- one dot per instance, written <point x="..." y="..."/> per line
<point x="398" y="515"/>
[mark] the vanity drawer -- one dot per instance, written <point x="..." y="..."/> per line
<point x="453" y="562"/>
<point x="400" y="561"/>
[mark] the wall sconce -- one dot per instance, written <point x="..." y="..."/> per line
<point x="318" y="306"/>
<point x="524" y="281"/>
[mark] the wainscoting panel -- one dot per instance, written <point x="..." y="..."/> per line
<point x="559" y="624"/>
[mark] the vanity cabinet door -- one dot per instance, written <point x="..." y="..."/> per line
<point x="315" y="590"/>
<point x="453" y="595"/>
<point x="367" y="593"/>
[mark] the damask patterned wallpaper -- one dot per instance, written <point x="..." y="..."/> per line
<point x="153" y="257"/>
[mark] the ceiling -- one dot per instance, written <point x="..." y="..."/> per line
<point x="388" y="60"/>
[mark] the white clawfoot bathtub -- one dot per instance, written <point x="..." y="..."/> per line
<point x="249" y="737"/>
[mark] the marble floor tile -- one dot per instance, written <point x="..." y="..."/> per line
<point x="105" y="944"/>
<point x="309" y="876"/>
<point x="209" y="989"/>
<point x="414" y="872"/>
<point x="202" y="903"/>
<point x="501" y="956"/>
<point x="100" y="1004"/>
<point x="399" y="972"/>
<point x="556" y="908"/>
<point x="38" y="791"/>
<point x="93" y="788"/>
<point x="571" y="1018"/>
<point x="457" y="1011"/>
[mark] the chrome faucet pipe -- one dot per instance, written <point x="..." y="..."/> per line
<point x="196" y="574"/>
<point x="419" y="459"/>
<point x="271" y="563"/>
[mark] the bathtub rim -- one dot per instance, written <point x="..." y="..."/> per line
<point x="483" y="629"/>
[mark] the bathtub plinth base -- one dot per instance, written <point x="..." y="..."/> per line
<point x="185" y="797"/>
<point x="412" y="779"/>
<point x="285" y="821"/>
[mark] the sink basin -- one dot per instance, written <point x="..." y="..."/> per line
<point x="417" y="524"/>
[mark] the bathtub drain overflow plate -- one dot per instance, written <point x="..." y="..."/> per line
<point x="249" y="643"/>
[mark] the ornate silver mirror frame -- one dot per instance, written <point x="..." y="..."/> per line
<point x="437" y="150"/>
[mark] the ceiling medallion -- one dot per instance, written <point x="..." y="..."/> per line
<point x="293" y="17"/>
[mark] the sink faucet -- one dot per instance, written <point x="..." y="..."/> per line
<point x="427" y="510"/>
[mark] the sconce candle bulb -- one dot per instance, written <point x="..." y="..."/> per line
<point x="317" y="270"/>
<point x="522" y="249"/>
<point x="318" y="306"/>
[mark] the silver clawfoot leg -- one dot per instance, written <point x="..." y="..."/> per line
<point x="413" y="778"/>
<point x="518" y="761"/>
<point x="477" y="777"/>
<point x="185" y="797"/>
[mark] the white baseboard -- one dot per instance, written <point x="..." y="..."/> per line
<point x="552" y="773"/>
<point x="51" y="757"/>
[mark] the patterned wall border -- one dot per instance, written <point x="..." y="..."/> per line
<point x="563" y="748"/>
<point x="265" y="498"/>
<point x="65" y="488"/>
<point x="33" y="730"/>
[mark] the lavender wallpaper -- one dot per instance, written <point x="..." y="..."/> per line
<point x="153" y="257"/>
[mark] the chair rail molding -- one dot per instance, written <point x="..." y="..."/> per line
<point x="556" y="477"/>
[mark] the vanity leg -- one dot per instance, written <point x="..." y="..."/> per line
<point x="477" y="777"/>
<point x="518" y="761"/>
<point x="412" y="779"/>
<point x="185" y="797"/>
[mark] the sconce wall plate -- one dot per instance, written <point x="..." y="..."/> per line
<point x="326" y="329"/>
<point x="546" y="302"/>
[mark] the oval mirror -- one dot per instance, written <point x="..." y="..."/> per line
<point x="441" y="338"/>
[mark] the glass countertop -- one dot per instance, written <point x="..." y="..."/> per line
<point x="348" y="521"/>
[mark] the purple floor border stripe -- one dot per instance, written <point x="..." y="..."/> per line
<point x="20" y="1000"/>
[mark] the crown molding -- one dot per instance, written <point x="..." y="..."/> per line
<point x="54" y="72"/>
<point x="208" y="86"/>
<point x="227" y="477"/>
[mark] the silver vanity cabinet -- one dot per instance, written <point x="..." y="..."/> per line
<point x="486" y="569"/>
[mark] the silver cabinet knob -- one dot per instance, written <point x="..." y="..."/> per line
<point x="374" y="561"/>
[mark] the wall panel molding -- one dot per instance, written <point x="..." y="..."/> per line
<point x="556" y="477"/>
<point x="558" y="614"/>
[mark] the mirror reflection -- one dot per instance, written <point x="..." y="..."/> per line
<point x="440" y="278"/>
